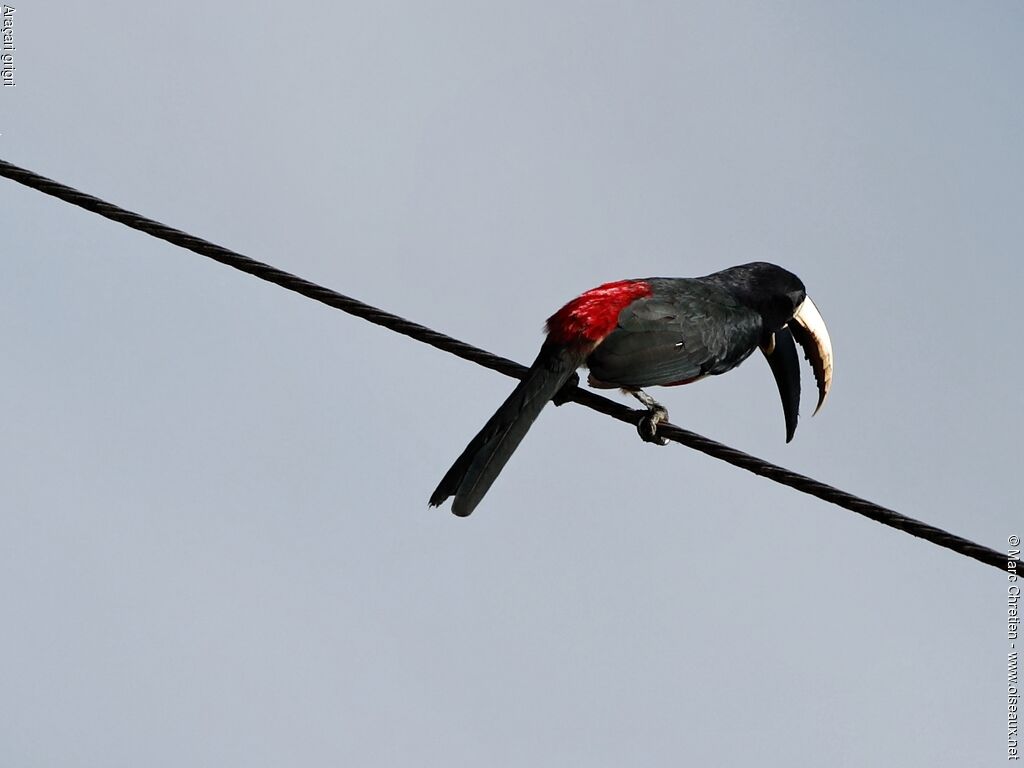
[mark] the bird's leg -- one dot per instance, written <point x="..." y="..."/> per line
<point x="648" y="424"/>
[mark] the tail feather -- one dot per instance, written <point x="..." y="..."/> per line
<point x="486" y="455"/>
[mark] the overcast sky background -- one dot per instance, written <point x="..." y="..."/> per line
<point x="215" y="548"/>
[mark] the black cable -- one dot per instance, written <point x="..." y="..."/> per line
<point x="441" y="341"/>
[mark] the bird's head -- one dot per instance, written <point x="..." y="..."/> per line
<point x="787" y="314"/>
<point x="773" y="292"/>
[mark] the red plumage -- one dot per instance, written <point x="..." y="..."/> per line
<point x="592" y="315"/>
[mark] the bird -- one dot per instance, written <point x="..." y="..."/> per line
<point x="655" y="331"/>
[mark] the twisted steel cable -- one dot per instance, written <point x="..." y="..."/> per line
<point x="571" y="392"/>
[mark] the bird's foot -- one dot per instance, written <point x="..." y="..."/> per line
<point x="656" y="413"/>
<point x="647" y="427"/>
<point x="648" y="424"/>
<point x="564" y="395"/>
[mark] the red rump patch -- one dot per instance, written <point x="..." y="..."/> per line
<point x="593" y="315"/>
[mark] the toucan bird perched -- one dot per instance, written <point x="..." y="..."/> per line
<point x="654" y="331"/>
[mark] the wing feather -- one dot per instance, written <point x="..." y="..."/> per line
<point x="684" y="331"/>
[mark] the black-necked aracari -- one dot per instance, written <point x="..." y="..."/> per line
<point x="662" y="331"/>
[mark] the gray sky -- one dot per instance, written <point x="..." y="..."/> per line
<point x="215" y="547"/>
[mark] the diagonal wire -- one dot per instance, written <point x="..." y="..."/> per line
<point x="737" y="458"/>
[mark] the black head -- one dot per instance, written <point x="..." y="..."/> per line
<point x="789" y="318"/>
<point x="773" y="292"/>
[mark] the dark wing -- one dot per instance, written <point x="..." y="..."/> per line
<point x="683" y="331"/>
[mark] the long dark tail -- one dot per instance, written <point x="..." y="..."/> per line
<point x="485" y="456"/>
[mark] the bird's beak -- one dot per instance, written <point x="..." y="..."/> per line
<point x="810" y="332"/>
<point x="807" y="329"/>
<point x="780" y="351"/>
